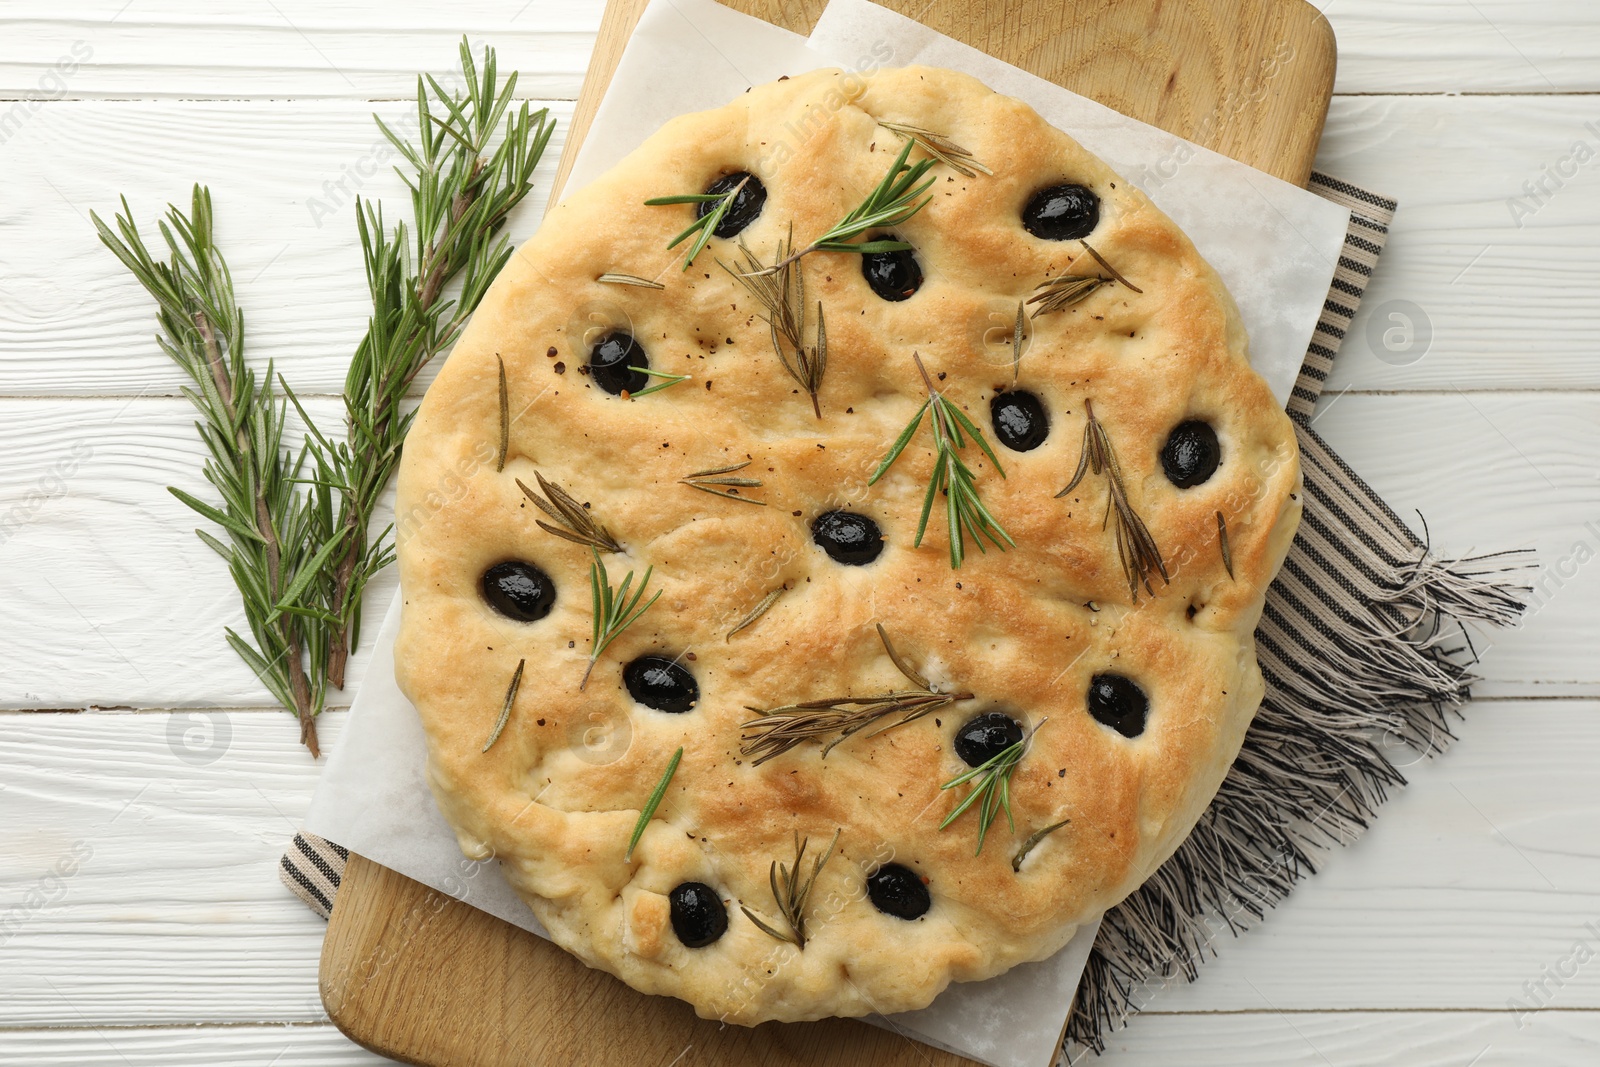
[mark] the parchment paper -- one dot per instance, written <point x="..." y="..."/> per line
<point x="1275" y="246"/>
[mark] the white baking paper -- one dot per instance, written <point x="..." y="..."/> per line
<point x="1275" y="246"/>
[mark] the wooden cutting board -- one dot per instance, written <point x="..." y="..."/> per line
<point x="414" y="975"/>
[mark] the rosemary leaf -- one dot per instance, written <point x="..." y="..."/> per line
<point x="1033" y="839"/>
<point x="782" y="728"/>
<point x="648" y="812"/>
<point x="505" y="709"/>
<point x="576" y="523"/>
<point x="505" y="418"/>
<point x="781" y="292"/>
<point x="991" y="787"/>
<point x="611" y="278"/>
<point x="790" y="893"/>
<point x="759" y="610"/>
<point x="897" y="197"/>
<point x="1016" y="342"/>
<point x="705" y="225"/>
<point x="614" y="611"/>
<point x="716" y="483"/>
<point x="1098" y="258"/>
<point x="270" y="520"/>
<point x="966" y="514"/>
<point x="1054" y="294"/>
<point x="1222" y="538"/>
<point x="668" y="383"/>
<point x="1136" y="548"/>
<point x="1057" y="293"/>
<point x="939" y="147"/>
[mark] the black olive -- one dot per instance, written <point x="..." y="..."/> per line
<point x="892" y="275"/>
<point x="1062" y="213"/>
<point x="745" y="207"/>
<point x="983" y="737"/>
<point x="661" y="683"/>
<point x="519" y="590"/>
<point x="1019" y="418"/>
<point x="698" y="917"/>
<point x="898" y="891"/>
<point x="847" y="537"/>
<point x="1191" y="454"/>
<point x="610" y="360"/>
<point x="1119" y="703"/>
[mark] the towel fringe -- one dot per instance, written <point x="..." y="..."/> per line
<point x="1365" y="650"/>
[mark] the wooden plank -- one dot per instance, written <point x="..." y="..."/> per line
<point x="83" y="503"/>
<point x="73" y="322"/>
<point x="289" y="48"/>
<point x="541" y="1005"/>
<point x="1313" y="1039"/>
<point x="1356" y="1039"/>
<point x="284" y="177"/>
<point x="178" y="917"/>
<point x="1501" y="278"/>
<point x="129" y="607"/>
<point x="1324" y="1039"/>
<point x="1273" y="121"/>
<point x="237" y="49"/>
<point x="199" y="1046"/>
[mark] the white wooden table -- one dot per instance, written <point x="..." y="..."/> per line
<point x="147" y="785"/>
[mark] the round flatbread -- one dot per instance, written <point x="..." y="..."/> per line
<point x="981" y="757"/>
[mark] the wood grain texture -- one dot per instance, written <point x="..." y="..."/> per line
<point x="185" y="924"/>
<point x="1553" y="1038"/>
<point x="126" y="608"/>
<point x="241" y="49"/>
<point x="404" y="973"/>
<point x="178" y="917"/>
<point x="1249" y="78"/>
<point x="72" y="322"/>
<point x="1505" y="278"/>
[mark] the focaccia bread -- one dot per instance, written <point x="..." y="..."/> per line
<point x="798" y="668"/>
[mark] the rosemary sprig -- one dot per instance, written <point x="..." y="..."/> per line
<point x="505" y="418"/>
<point x="648" y="812"/>
<point x="614" y="611"/>
<point x="669" y="381"/>
<point x="1222" y="539"/>
<point x="965" y="510"/>
<point x="891" y="202"/>
<point x="268" y="519"/>
<point x="717" y="482"/>
<point x="1137" y="550"/>
<point x="756" y="613"/>
<point x="1098" y="258"/>
<point x="939" y="147"/>
<point x="706" y="225"/>
<point x="1033" y="839"/>
<point x="991" y="787"/>
<point x="505" y="709"/>
<point x="1055" y="294"/>
<point x="782" y="728"/>
<point x="782" y="295"/>
<point x="576" y="523"/>
<point x="461" y="192"/>
<point x="790" y="893"/>
<point x="612" y="278"/>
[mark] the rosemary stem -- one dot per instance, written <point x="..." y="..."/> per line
<point x="299" y="685"/>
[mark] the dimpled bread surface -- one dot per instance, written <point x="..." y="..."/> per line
<point x="556" y="797"/>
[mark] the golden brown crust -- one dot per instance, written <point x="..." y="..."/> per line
<point x="556" y="798"/>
